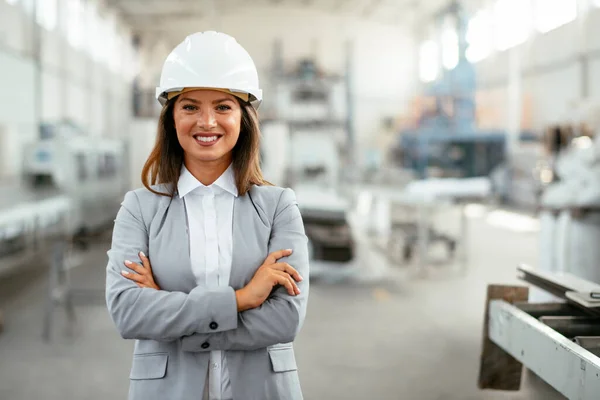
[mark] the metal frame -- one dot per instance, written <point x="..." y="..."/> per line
<point x="563" y="364"/>
<point x="423" y="221"/>
<point x="61" y="293"/>
<point x="559" y="341"/>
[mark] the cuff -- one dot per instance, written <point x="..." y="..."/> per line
<point x="221" y="313"/>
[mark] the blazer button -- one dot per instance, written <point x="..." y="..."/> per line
<point x="213" y="325"/>
<point x="205" y="345"/>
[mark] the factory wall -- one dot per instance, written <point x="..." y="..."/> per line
<point x="554" y="77"/>
<point x="383" y="63"/>
<point x="72" y="86"/>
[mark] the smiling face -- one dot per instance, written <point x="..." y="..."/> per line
<point x="208" y="126"/>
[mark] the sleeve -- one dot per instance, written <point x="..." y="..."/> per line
<point x="281" y="316"/>
<point x="144" y="313"/>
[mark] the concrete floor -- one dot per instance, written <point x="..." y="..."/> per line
<point x="380" y="335"/>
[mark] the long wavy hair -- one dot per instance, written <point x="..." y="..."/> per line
<point x="163" y="166"/>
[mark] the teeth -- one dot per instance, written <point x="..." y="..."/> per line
<point x="206" y="139"/>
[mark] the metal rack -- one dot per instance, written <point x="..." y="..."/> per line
<point x="559" y="342"/>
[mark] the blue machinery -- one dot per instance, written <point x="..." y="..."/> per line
<point x="446" y="137"/>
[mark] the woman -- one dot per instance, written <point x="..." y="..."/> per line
<point x="208" y="268"/>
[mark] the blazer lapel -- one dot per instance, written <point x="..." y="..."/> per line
<point x="170" y="248"/>
<point x="250" y="241"/>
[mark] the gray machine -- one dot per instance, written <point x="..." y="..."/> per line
<point x="303" y="148"/>
<point x="90" y="171"/>
<point x="72" y="187"/>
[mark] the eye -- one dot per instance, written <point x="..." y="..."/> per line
<point x="189" y="107"/>
<point x="223" y="107"/>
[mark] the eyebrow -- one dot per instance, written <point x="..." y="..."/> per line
<point x="214" y="101"/>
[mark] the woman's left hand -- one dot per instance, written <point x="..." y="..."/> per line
<point x="143" y="273"/>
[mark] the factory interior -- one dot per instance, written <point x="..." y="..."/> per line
<point x="436" y="149"/>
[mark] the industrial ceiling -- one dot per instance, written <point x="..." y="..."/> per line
<point x="176" y="17"/>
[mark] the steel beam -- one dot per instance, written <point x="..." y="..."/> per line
<point x="557" y="284"/>
<point x="563" y="364"/>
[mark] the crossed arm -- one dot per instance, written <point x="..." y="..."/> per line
<point x="145" y="313"/>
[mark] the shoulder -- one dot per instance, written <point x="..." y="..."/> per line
<point x="145" y="202"/>
<point x="278" y="203"/>
<point x="273" y="197"/>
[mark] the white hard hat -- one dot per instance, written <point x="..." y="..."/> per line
<point x="210" y="60"/>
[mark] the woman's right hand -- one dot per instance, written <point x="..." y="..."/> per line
<point x="271" y="273"/>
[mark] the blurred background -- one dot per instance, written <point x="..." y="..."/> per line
<point x="433" y="146"/>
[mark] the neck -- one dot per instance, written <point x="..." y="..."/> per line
<point x="207" y="172"/>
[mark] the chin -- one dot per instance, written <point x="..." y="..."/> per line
<point x="207" y="155"/>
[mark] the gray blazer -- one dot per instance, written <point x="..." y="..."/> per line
<point x="176" y="327"/>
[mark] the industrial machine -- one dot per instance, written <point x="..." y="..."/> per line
<point x="445" y="141"/>
<point x="302" y="148"/>
<point x="90" y="171"/>
<point x="71" y="187"/>
<point x="558" y="341"/>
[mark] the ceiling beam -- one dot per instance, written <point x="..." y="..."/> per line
<point x="161" y="16"/>
<point x="121" y="3"/>
<point x="137" y="7"/>
<point x="162" y="22"/>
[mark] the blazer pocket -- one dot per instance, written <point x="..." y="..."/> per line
<point x="283" y="359"/>
<point x="149" y="366"/>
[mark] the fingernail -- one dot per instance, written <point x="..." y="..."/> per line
<point x="290" y="250"/>
<point x="124" y="272"/>
<point x="142" y="254"/>
<point x="127" y="262"/>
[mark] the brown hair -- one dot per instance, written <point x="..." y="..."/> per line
<point x="164" y="163"/>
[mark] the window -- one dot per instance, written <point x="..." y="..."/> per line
<point x="82" y="171"/>
<point x="130" y="61"/>
<point x="428" y="61"/>
<point x="479" y="36"/>
<point x="512" y="23"/>
<point x="107" y="165"/>
<point x="449" y="48"/>
<point x="99" y="37"/>
<point x="111" y="56"/>
<point x="550" y="14"/>
<point x="118" y="56"/>
<point x="75" y="31"/>
<point x="94" y="28"/>
<point x="46" y="13"/>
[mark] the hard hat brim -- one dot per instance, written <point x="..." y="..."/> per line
<point x="162" y="95"/>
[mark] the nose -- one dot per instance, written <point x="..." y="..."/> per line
<point x="206" y="120"/>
